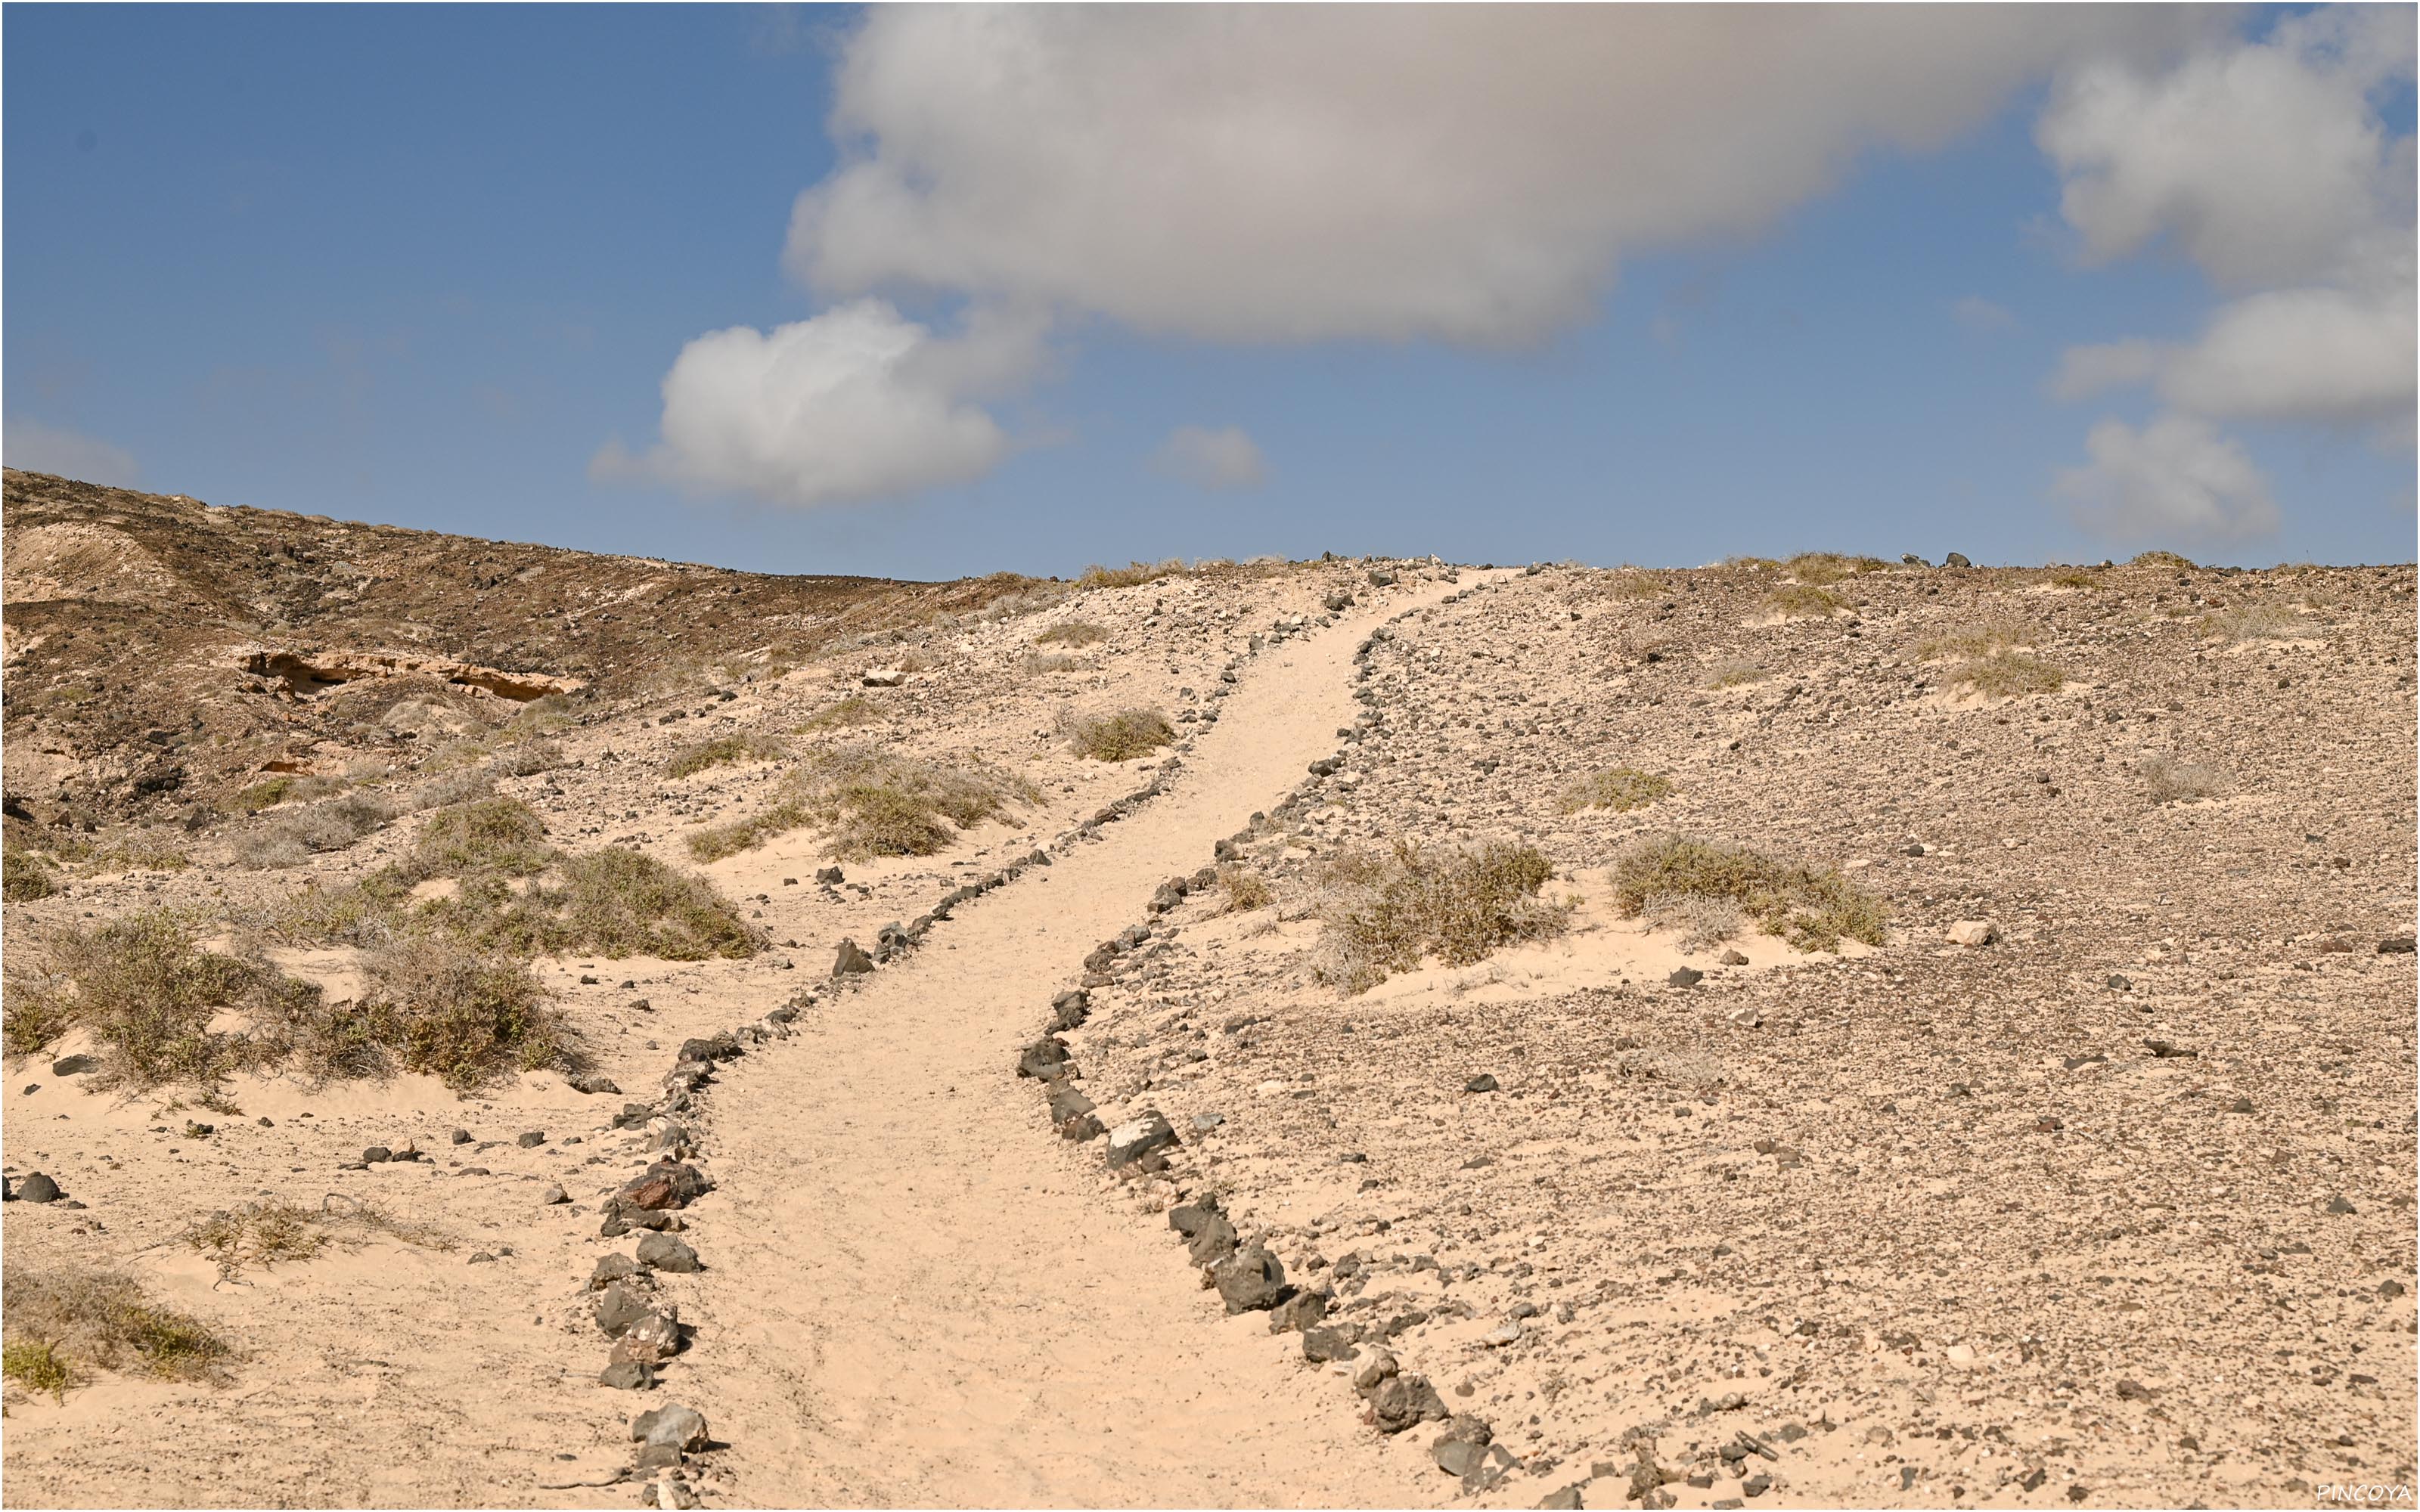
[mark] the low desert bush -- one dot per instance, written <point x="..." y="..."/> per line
<point x="848" y="713"/>
<point x="2169" y="780"/>
<point x="144" y="851"/>
<point x="528" y="758"/>
<point x="500" y="836"/>
<point x="2007" y="674"/>
<point x="25" y="876"/>
<point x="291" y="839"/>
<point x="2074" y="577"/>
<point x="1033" y="662"/>
<point x="286" y="787"/>
<point x="618" y="903"/>
<point x="1117" y="737"/>
<point x="723" y="751"/>
<point x="1818" y="568"/>
<point x="1796" y="600"/>
<point x="1701" y="921"/>
<point x="2257" y="622"/>
<point x="1133" y="575"/>
<point x="1245" y="889"/>
<point x="463" y="785"/>
<point x="1074" y="633"/>
<point x="61" y="1319"/>
<point x="1385" y="911"/>
<point x="1814" y="910"/>
<point x="1735" y="672"/>
<point x="872" y="802"/>
<point x="1619" y="789"/>
<point x="1979" y="639"/>
<point x="143" y="987"/>
<point x="261" y="1236"/>
<point x="451" y="1012"/>
<point x="1638" y="585"/>
<point x="2162" y="559"/>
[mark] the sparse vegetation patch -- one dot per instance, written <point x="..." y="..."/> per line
<point x="25" y="876"/>
<point x="1117" y="737"/>
<point x="62" y="1320"/>
<point x="1245" y="889"/>
<point x="1074" y="633"/>
<point x="874" y="802"/>
<point x="2257" y="622"/>
<point x="1384" y="912"/>
<point x="1799" y="600"/>
<point x="262" y="1235"/>
<point x="2169" y="780"/>
<point x="726" y="750"/>
<point x="2007" y="674"/>
<point x="1619" y="789"/>
<point x="1812" y="909"/>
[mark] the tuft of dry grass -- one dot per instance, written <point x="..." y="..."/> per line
<point x="723" y="751"/>
<point x="445" y="1009"/>
<point x="528" y="758"/>
<point x="2162" y="559"/>
<point x="148" y="992"/>
<point x="1619" y="789"/>
<point x="2074" y="577"/>
<point x="2169" y="780"/>
<point x="291" y="838"/>
<point x="1076" y="633"/>
<point x="1246" y="889"/>
<point x="851" y="713"/>
<point x="1818" y="568"/>
<point x="1384" y="912"/>
<point x="1133" y="575"/>
<point x="2007" y="674"/>
<point x="1735" y="672"/>
<point x="1632" y="584"/>
<point x="874" y="802"/>
<point x="500" y="836"/>
<point x="2257" y="621"/>
<point x="1814" y="910"/>
<point x="1117" y="737"/>
<point x="1981" y="638"/>
<point x="1042" y="661"/>
<point x="464" y="785"/>
<point x="144" y="851"/>
<point x="61" y="1320"/>
<point x="263" y="1235"/>
<point x="1798" y="600"/>
<point x="25" y="876"/>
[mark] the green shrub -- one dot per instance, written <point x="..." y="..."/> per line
<point x="1620" y="789"/>
<point x="458" y="1013"/>
<point x="618" y="901"/>
<point x="500" y="836"/>
<point x="1118" y="737"/>
<point x="1814" y="910"/>
<point x="1385" y="911"/>
<point x="35" y="1365"/>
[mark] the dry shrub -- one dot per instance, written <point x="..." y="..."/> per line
<point x="848" y="713"/>
<point x="451" y="1012"/>
<point x="2162" y="559"/>
<point x="291" y="839"/>
<point x="874" y="802"/>
<point x="144" y="989"/>
<point x="530" y="758"/>
<point x="1619" y="789"/>
<point x="619" y="903"/>
<point x="1814" y="910"/>
<point x="1638" y="585"/>
<point x="2257" y="622"/>
<point x="286" y="787"/>
<point x="2169" y="780"/>
<point x="25" y="876"/>
<point x="1735" y="672"/>
<point x="1818" y="568"/>
<point x="1246" y="889"/>
<point x="1796" y="600"/>
<point x="263" y="1235"/>
<point x="1981" y="638"/>
<point x="1384" y="912"/>
<point x="1074" y="633"/>
<point x="502" y="837"/>
<point x="1042" y="661"/>
<point x="2074" y="577"/>
<point x="723" y="751"/>
<point x="2007" y="674"/>
<point x="61" y="1320"/>
<point x="1117" y="737"/>
<point x="1701" y="921"/>
<point x="466" y="786"/>
<point x="147" y="850"/>
<point x="1133" y="575"/>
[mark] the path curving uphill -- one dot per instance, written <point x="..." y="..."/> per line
<point x="921" y="1296"/>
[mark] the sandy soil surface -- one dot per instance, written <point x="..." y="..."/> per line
<point x="2115" y="1210"/>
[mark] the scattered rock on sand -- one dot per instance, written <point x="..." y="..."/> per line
<point x="1971" y="932"/>
<point x="553" y="1194"/>
<point x="1249" y="1280"/>
<point x="37" y="1187"/>
<point x="664" y="1186"/>
<point x="671" y="1426"/>
<point x="663" y="1252"/>
<point x="1131" y="1141"/>
<point x="851" y="961"/>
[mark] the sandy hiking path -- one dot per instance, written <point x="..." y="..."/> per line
<point x="919" y="1296"/>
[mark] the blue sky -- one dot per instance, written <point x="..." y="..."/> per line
<point x="420" y="265"/>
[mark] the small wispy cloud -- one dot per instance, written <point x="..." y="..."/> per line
<point x="39" y="448"/>
<point x="1221" y="460"/>
<point x="1980" y="315"/>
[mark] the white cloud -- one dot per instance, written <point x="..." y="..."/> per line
<point x="2270" y="166"/>
<point x="1217" y="459"/>
<point x="1982" y="316"/>
<point x="856" y="403"/>
<point x="39" y="448"/>
<point x="2176" y="479"/>
<point x="1304" y="173"/>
